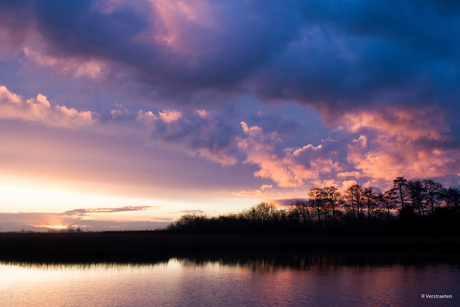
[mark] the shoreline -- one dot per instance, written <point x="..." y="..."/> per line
<point x="156" y="244"/>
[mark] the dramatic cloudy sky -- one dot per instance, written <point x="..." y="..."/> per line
<point x="126" y="114"/>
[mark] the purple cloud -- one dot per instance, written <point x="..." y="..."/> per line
<point x="211" y="79"/>
<point x="334" y="55"/>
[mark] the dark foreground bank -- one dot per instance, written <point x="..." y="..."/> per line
<point x="155" y="244"/>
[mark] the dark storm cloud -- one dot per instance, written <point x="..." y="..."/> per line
<point x="384" y="74"/>
<point x="336" y="55"/>
<point x="251" y="34"/>
<point x="365" y="52"/>
<point x="15" y="16"/>
<point x="213" y="133"/>
<point x="274" y="122"/>
<point x="75" y="28"/>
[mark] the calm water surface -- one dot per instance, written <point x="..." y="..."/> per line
<point x="249" y="282"/>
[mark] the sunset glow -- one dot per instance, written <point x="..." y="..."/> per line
<point x="151" y="109"/>
<point x="50" y="226"/>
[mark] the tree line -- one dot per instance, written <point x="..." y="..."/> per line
<point x="409" y="207"/>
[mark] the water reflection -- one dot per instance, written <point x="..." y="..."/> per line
<point x="271" y="262"/>
<point x="262" y="261"/>
<point x="233" y="279"/>
<point x="81" y="266"/>
<point x="87" y="264"/>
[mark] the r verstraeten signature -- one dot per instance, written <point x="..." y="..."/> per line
<point x="442" y="296"/>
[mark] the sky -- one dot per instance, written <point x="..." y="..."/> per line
<point x="118" y="114"/>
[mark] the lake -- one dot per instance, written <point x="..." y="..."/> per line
<point x="235" y="280"/>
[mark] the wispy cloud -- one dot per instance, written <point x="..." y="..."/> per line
<point x="191" y="211"/>
<point x="82" y="212"/>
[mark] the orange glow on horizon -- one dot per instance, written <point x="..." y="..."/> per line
<point x="50" y="226"/>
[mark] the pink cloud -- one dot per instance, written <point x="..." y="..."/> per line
<point x="190" y="133"/>
<point x="400" y="122"/>
<point x="68" y="66"/>
<point x="169" y="116"/>
<point x="40" y="110"/>
<point x="391" y="142"/>
<point x="378" y="145"/>
<point x="291" y="167"/>
<point x="401" y="141"/>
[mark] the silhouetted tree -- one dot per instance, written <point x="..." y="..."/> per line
<point x="263" y="212"/>
<point x="370" y="200"/>
<point x="316" y="198"/>
<point x="433" y="192"/>
<point x="416" y="192"/>
<point x="451" y="197"/>
<point x="354" y="197"/>
<point x="332" y="197"/>
<point x="400" y="185"/>
<point x="325" y="208"/>
<point x="302" y="213"/>
<point x="388" y="201"/>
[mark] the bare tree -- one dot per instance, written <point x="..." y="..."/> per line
<point x="433" y="192"/>
<point x="388" y="201"/>
<point x="416" y="192"/>
<point x="333" y="197"/>
<point x="316" y="196"/>
<point x="353" y="197"/>
<point x="400" y="185"/>
<point x="370" y="200"/>
<point x="451" y="197"/>
<point x="300" y="211"/>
